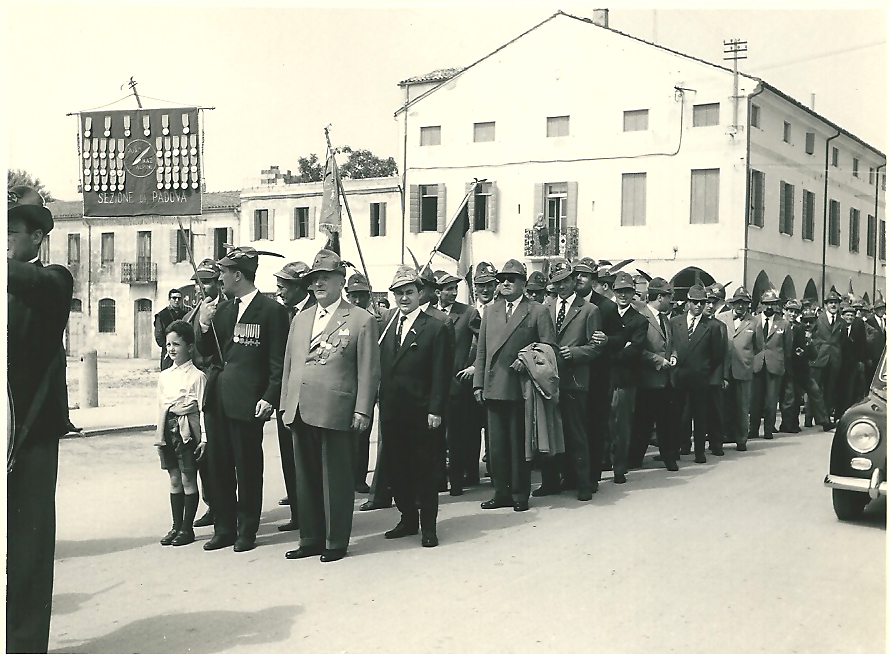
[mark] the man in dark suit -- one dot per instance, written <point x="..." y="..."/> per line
<point x="718" y="379"/>
<point x="655" y="390"/>
<point x="163" y="319"/>
<point x="414" y="383"/>
<point x="38" y="302"/>
<point x="803" y="353"/>
<point x="790" y="395"/>
<point x="575" y="320"/>
<point x="696" y="350"/>
<point x="535" y="289"/>
<point x="625" y="371"/>
<point x="828" y="337"/>
<point x="772" y="349"/>
<point x="854" y="353"/>
<point x="292" y="291"/>
<point x="251" y="330"/>
<point x="511" y="323"/>
<point x="329" y="385"/>
<point x="462" y="456"/>
<point x="876" y="336"/>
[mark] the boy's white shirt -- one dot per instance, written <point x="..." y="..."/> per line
<point x="180" y="385"/>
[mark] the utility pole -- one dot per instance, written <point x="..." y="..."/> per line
<point x="734" y="49"/>
<point x="132" y="85"/>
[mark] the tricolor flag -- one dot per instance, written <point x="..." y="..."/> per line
<point x="456" y="242"/>
<point x="331" y="220"/>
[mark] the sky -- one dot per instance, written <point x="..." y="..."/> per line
<point x="278" y="75"/>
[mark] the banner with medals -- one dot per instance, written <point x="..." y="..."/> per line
<point x="141" y="162"/>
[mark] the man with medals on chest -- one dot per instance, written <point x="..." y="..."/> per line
<point x="293" y="293"/>
<point x="772" y="350"/>
<point x="330" y="381"/>
<point x="251" y="331"/>
<point x="38" y="302"/>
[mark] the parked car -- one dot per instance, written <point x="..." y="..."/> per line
<point x="858" y="454"/>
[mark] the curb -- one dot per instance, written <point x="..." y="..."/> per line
<point x="103" y="431"/>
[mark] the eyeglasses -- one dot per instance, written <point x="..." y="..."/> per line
<point x="697" y="301"/>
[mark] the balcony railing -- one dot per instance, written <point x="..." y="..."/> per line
<point x="551" y="242"/>
<point x="141" y="272"/>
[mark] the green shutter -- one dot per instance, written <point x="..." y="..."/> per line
<point x="415" y="209"/>
<point x="253" y="226"/>
<point x="442" y="208"/>
<point x="311" y="218"/>
<point x="782" y="214"/>
<point x="492" y="207"/>
<point x="538" y="202"/>
<point x="294" y="219"/>
<point x="571" y="217"/>
<point x="470" y="206"/>
<point x="174" y="245"/>
<point x="271" y="224"/>
<point x="382" y="206"/>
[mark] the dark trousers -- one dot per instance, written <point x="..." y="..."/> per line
<point x="826" y="378"/>
<point x="236" y="463"/>
<point x="325" y="484"/>
<point x="597" y="417"/>
<point x="461" y="439"/>
<point x="654" y="411"/>
<point x="288" y="465"/>
<point x="30" y="544"/>
<point x="715" y="418"/>
<point x="573" y="467"/>
<point x="764" y="403"/>
<point x="412" y="457"/>
<point x="804" y="385"/>
<point x="696" y="398"/>
<point x="623" y="404"/>
<point x="211" y="421"/>
<point x="737" y="410"/>
<point x="788" y="401"/>
<point x="510" y="472"/>
<point x="849" y="389"/>
<point x="380" y="486"/>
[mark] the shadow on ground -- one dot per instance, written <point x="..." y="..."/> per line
<point x="69" y="549"/>
<point x="204" y="632"/>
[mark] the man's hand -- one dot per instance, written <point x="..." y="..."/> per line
<point x="200" y="451"/>
<point x="599" y="339"/>
<point x="466" y="373"/>
<point x="479" y="397"/>
<point x="360" y="422"/>
<point x="434" y="421"/>
<point x="263" y="410"/>
<point x="518" y="366"/>
<point x="206" y="311"/>
<point x="565" y="353"/>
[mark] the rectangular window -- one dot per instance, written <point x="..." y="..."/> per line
<point x="632" y="204"/>
<point x="810" y="142"/>
<point x="705" y="115"/>
<point x="854" y="229"/>
<point x="808" y="215"/>
<point x="757" y="198"/>
<point x="704" y="196"/>
<point x="833" y="223"/>
<point x="300" y="222"/>
<point x="429" y="208"/>
<point x="483" y="132"/>
<point x="636" y="120"/>
<point x="854" y="167"/>
<point x="107" y="316"/>
<point x="785" y="209"/>
<point x="754" y="115"/>
<point x="107" y="248"/>
<point x="870" y="175"/>
<point x="481" y="207"/>
<point x="184" y="241"/>
<point x="557" y="126"/>
<point x="882" y="240"/>
<point x="260" y="224"/>
<point x="73" y="249"/>
<point x="377" y="218"/>
<point x="430" y="135"/>
<point x="871" y="236"/>
<point x="787" y="132"/>
<point x="835" y="157"/>
<point x="556" y="206"/>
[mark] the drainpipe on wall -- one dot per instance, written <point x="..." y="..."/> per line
<point x="747" y="192"/>
<point x="876" y="228"/>
<point x="407" y="93"/>
<point x="824" y="235"/>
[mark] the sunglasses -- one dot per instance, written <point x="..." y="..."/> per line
<point x="697" y="301"/>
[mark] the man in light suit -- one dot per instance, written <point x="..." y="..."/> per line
<point x="828" y="337"/>
<point x="330" y="381"/>
<point x="772" y="349"/>
<point x="576" y="320"/>
<point x="416" y="373"/>
<point x="509" y="324"/>
<point x="655" y="391"/>
<point x="739" y="327"/>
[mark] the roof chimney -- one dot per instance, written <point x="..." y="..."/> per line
<point x="600" y="17"/>
<point x="812" y="103"/>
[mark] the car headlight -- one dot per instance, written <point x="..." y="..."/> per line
<point x="863" y="436"/>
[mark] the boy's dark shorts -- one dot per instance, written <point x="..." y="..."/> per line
<point x="174" y="454"/>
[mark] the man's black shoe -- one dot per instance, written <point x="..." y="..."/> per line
<point x="401" y="530"/>
<point x="543" y="491"/>
<point x="495" y="503"/>
<point x="303" y="553"/>
<point x="205" y="520"/>
<point x="672" y="466"/>
<point x="362" y="487"/>
<point x="520" y="505"/>
<point x="244" y="544"/>
<point x="289" y="526"/>
<point x="332" y="555"/>
<point x="429" y="540"/>
<point x="370" y="505"/>
<point x="219" y="541"/>
<point x="620" y="478"/>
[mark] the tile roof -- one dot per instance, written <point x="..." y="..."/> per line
<point x="437" y="75"/>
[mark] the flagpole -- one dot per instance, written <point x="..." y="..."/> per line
<point x="465" y="201"/>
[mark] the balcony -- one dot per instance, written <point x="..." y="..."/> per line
<point x="141" y="272"/>
<point x="549" y="243"/>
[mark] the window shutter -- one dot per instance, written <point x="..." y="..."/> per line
<point x="470" y="205"/>
<point x="415" y="209"/>
<point x="253" y="226"/>
<point x="571" y="217"/>
<point x="442" y="212"/>
<point x="294" y="219"/>
<point x="782" y="218"/>
<point x="492" y="207"/>
<point x="538" y="202"/>
<point x="229" y="235"/>
<point x="312" y="222"/>
<point x="174" y="245"/>
<point x="383" y="218"/>
<point x="271" y="224"/>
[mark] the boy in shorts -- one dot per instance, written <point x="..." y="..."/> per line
<point x="180" y="392"/>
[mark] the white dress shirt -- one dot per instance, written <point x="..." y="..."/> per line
<point x="410" y="319"/>
<point x="299" y="306"/>
<point x="622" y="312"/>
<point x="322" y="317"/>
<point x="692" y="322"/>
<point x="480" y="307"/>
<point x="245" y="302"/>
<point x="568" y="301"/>
<point x="179" y="386"/>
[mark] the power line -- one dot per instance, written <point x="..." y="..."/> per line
<point x="820" y="56"/>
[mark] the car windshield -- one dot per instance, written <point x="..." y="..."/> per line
<point x="879" y="384"/>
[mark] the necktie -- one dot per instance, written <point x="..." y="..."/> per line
<point x="765" y="329"/>
<point x="561" y="317"/>
<point x="830" y="319"/>
<point x="660" y="318"/>
<point x="398" y="332"/>
<point x="508" y="311"/>
<point x="237" y="311"/>
<point x="318" y="328"/>
<point x="694" y="324"/>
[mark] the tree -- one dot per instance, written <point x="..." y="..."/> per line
<point x="310" y="169"/>
<point x="361" y="165"/>
<point x="20" y="177"/>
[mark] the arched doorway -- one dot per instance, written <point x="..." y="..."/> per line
<point x="761" y="285"/>
<point x="811" y="292"/>
<point x="143" y="336"/>
<point x="788" y="289"/>
<point x="688" y="277"/>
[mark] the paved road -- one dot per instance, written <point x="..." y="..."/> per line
<point x="740" y="555"/>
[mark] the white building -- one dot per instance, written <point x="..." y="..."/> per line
<point x="631" y="150"/>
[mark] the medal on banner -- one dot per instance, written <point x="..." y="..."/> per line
<point x="126" y="125"/>
<point x="88" y="126"/>
<point x="165" y="124"/>
<point x="120" y="148"/>
<point x="168" y="175"/>
<point x="94" y="145"/>
<point x="159" y="173"/>
<point x="87" y="180"/>
<point x="86" y="152"/>
<point x="175" y="146"/>
<point x="104" y="178"/>
<point x="146" y="125"/>
<point x="121" y="174"/>
<point x="111" y="144"/>
<point x="107" y="125"/>
<point x="159" y="149"/>
<point x="185" y="129"/>
<point x="112" y="173"/>
<point x="184" y="177"/>
<point x="103" y="145"/>
<point x="193" y="142"/>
